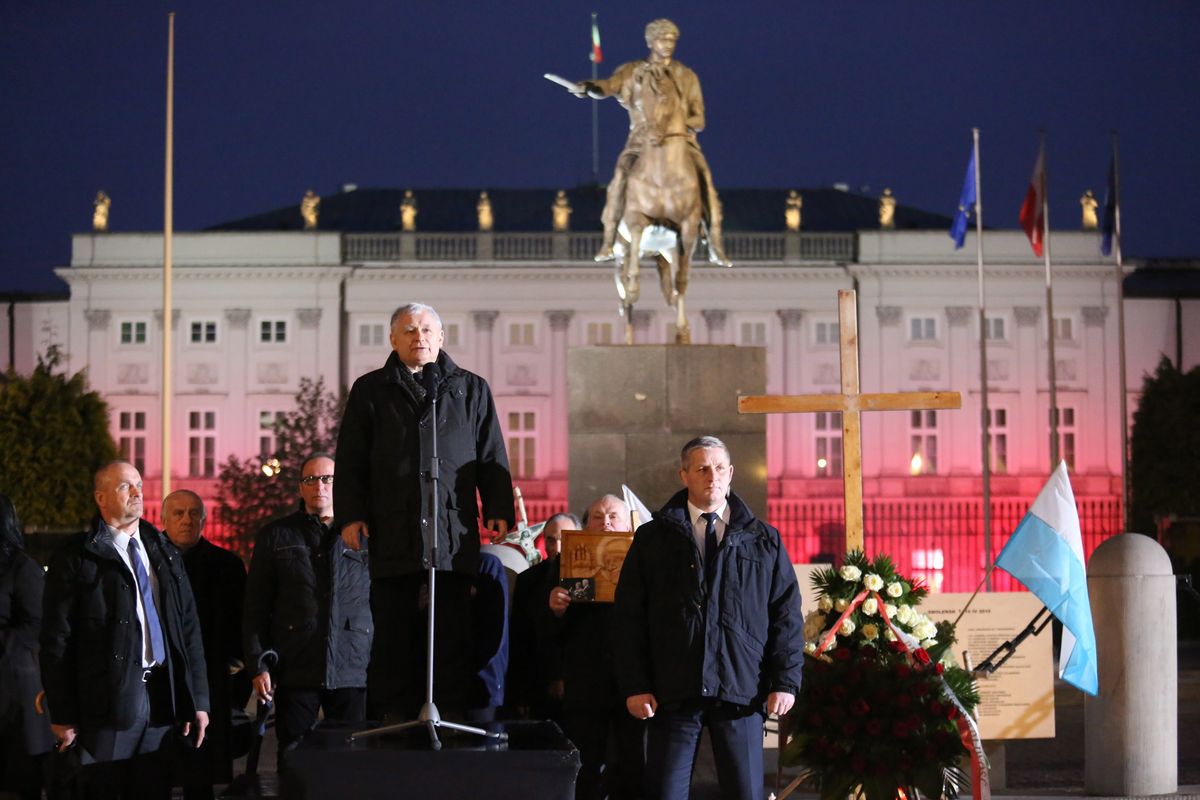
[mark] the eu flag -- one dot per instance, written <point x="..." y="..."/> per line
<point x="966" y="202"/>
<point x="1110" y="209"/>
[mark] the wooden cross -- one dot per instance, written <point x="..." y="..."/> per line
<point x="851" y="403"/>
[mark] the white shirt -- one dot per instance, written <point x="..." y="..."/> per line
<point x="120" y="542"/>
<point x="700" y="525"/>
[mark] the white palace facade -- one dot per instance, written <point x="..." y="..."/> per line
<point x="257" y="309"/>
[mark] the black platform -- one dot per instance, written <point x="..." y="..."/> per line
<point x="536" y="762"/>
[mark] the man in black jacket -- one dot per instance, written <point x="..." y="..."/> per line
<point x="384" y="445"/>
<point x="218" y="579"/>
<point x="708" y="630"/>
<point x="122" y="658"/>
<point x="308" y="599"/>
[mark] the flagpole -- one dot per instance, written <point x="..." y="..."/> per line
<point x="1049" y="309"/>
<point x="595" y="117"/>
<point x="168" y="226"/>
<point x="983" y="373"/>
<point x="1116" y="158"/>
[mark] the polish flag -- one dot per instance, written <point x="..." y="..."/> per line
<point x="597" y="56"/>
<point x="1033" y="217"/>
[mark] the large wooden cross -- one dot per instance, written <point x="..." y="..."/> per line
<point x="851" y="402"/>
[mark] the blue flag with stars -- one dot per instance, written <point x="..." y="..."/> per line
<point x="966" y="203"/>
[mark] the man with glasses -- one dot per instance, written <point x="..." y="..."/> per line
<point x="308" y="599"/>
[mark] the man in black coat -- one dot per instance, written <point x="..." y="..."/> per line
<point x="308" y="599"/>
<point x="218" y="579"/>
<point x="122" y="657"/>
<point x="384" y="445"/>
<point x="708" y="629"/>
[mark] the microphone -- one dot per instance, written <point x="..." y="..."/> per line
<point x="431" y="376"/>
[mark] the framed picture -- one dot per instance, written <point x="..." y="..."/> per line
<point x="590" y="564"/>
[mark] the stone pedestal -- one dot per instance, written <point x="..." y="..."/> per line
<point x="1131" y="744"/>
<point x="632" y="408"/>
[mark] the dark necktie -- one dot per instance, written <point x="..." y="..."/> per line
<point x="710" y="546"/>
<point x="158" y="651"/>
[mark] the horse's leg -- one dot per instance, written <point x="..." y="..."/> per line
<point x="688" y="231"/>
<point x="665" y="279"/>
<point x="631" y="264"/>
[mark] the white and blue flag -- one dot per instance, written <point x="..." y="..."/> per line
<point x="1045" y="553"/>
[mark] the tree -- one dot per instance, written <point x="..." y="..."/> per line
<point x="54" y="435"/>
<point x="1165" y="447"/>
<point x="257" y="489"/>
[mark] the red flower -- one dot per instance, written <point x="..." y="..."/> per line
<point x="849" y="728"/>
<point x="838" y="693"/>
<point x="875" y="727"/>
<point x="940" y="667"/>
<point x="896" y="646"/>
<point x="936" y="708"/>
<point x="841" y="654"/>
<point x="859" y="708"/>
<point x="899" y="730"/>
<point x="903" y="701"/>
<point x="902" y="670"/>
<point x="920" y="655"/>
<point x="858" y="763"/>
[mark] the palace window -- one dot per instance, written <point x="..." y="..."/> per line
<point x="203" y="331"/>
<point x="520" y="334"/>
<point x="923" y="439"/>
<point x="995" y="329"/>
<point x="827" y="439"/>
<point x="202" y="444"/>
<point x="272" y="331"/>
<point x="753" y="334"/>
<point x="922" y="329"/>
<point x="131" y="426"/>
<point x="1064" y="329"/>
<point x="451" y="330"/>
<point x="133" y="332"/>
<point x="825" y="332"/>
<point x="929" y="565"/>
<point x="370" y="334"/>
<point x="599" y="333"/>
<point x="522" y="443"/>
<point x="266" y="432"/>
<point x="998" y="439"/>
<point x="1066" y="436"/>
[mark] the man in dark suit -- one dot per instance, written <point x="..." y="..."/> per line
<point x="122" y="657"/>
<point x="218" y="579"/>
<point x="708" y="630"/>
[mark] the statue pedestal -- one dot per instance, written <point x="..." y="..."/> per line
<point x="631" y="409"/>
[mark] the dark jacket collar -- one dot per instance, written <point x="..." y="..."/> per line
<point x="98" y="539"/>
<point x="676" y="511"/>
<point x="394" y="365"/>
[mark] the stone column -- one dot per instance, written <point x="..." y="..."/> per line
<point x="960" y="451"/>
<point x="237" y="364"/>
<point x="894" y="447"/>
<point x="485" y="322"/>
<point x="308" y="342"/>
<point x="714" y="322"/>
<point x="1131" y="726"/>
<point x="560" y="324"/>
<point x="793" y="437"/>
<point x="1025" y="452"/>
<point x="1092" y="450"/>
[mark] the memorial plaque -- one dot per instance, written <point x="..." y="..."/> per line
<point x="1017" y="701"/>
<point x="590" y="564"/>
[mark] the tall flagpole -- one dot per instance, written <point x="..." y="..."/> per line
<point x="1049" y="310"/>
<point x="983" y="374"/>
<point x="168" y="226"/>
<point x="595" y="116"/>
<point x="1116" y="166"/>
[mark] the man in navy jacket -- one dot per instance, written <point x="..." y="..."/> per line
<point x="708" y="629"/>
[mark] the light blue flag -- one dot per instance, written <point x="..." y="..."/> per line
<point x="1045" y="553"/>
<point x="966" y="203"/>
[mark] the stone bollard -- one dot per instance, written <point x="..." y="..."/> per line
<point x="1131" y="744"/>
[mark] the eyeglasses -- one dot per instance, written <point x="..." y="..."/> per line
<point x="311" y="480"/>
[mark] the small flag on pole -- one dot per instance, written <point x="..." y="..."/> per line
<point x="1045" y="553"/>
<point x="966" y="204"/>
<point x="596" y="56"/>
<point x="1033" y="209"/>
<point x="1109" y="225"/>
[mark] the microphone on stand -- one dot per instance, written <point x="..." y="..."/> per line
<point x="431" y="376"/>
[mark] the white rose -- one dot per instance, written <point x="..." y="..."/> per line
<point x="928" y="643"/>
<point x="810" y="647"/>
<point x="873" y="582"/>
<point x="924" y="629"/>
<point x="870" y="632"/>
<point x="895" y="589"/>
<point x="847" y="627"/>
<point x="890" y="609"/>
<point x="814" y="623"/>
<point x="904" y="615"/>
<point x="842" y="604"/>
<point x="870" y="607"/>
<point x="851" y="573"/>
<point x="887" y="634"/>
<point x="825" y="604"/>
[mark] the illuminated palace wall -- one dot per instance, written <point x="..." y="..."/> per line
<point x="256" y="311"/>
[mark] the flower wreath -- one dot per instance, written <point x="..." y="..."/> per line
<point x="884" y="710"/>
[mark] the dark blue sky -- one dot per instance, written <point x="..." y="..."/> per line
<point x="276" y="97"/>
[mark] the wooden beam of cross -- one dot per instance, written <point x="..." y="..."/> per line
<point x="851" y="403"/>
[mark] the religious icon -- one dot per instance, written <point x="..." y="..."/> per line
<point x="591" y="564"/>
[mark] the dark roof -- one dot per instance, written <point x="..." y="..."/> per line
<point x="453" y="210"/>
<point x="1175" y="278"/>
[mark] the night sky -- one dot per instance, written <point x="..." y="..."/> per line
<point x="273" y="98"/>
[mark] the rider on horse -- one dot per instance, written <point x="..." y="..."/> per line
<point x="681" y="85"/>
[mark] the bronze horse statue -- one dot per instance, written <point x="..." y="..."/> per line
<point x="663" y="204"/>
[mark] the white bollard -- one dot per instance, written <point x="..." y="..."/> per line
<point x="1131" y="739"/>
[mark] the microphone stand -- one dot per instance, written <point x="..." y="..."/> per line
<point x="429" y="718"/>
